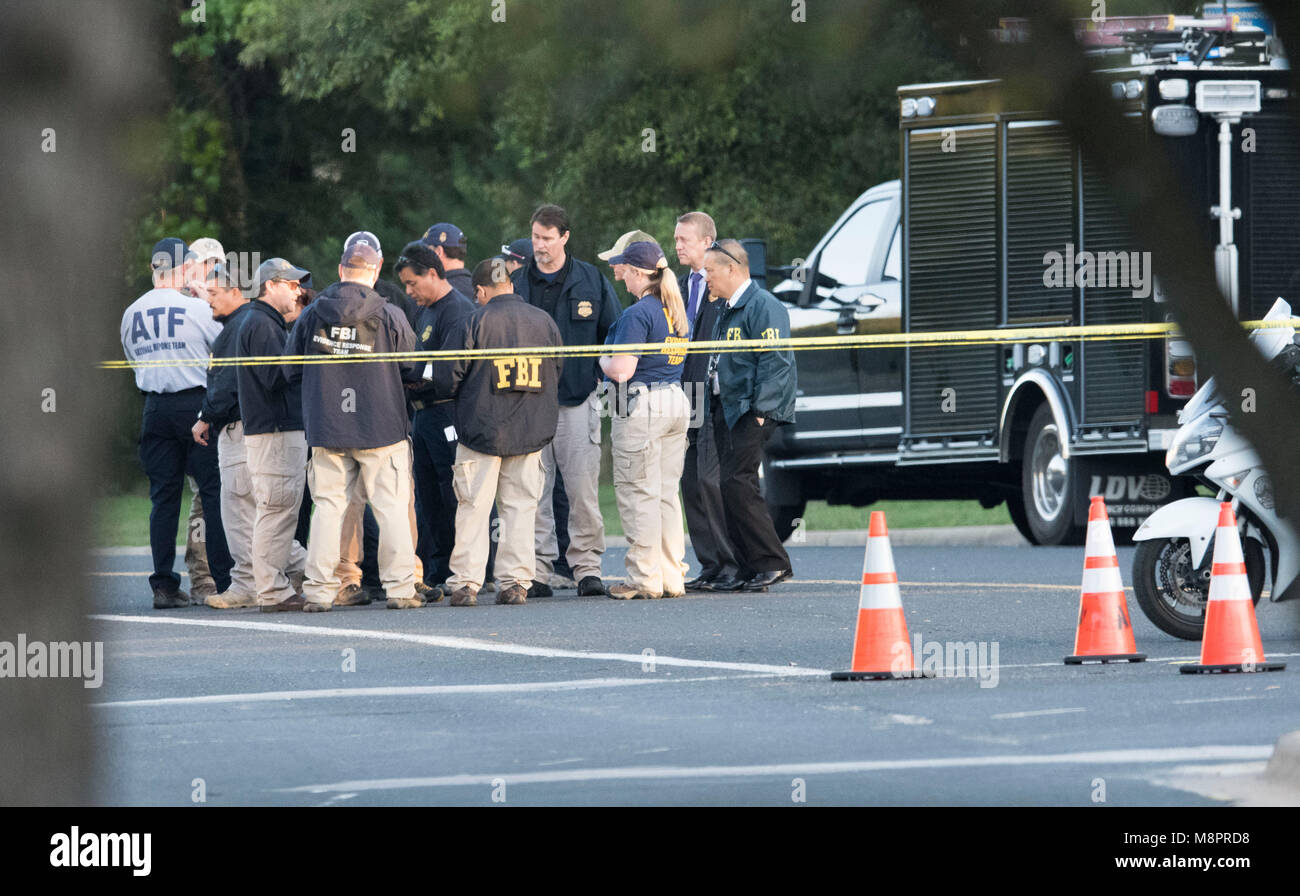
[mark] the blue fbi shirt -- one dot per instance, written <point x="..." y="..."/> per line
<point x="646" y="321"/>
<point x="169" y="325"/>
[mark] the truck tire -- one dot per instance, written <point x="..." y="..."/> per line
<point x="1048" y="484"/>
<point x="1172" y="594"/>
<point x="1019" y="516"/>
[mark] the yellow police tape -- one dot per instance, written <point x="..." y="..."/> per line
<point x="1115" y="332"/>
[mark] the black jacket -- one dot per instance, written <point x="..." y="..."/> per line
<point x="585" y="310"/>
<point x="439" y="326"/>
<point x="696" y="368"/>
<point x="221" y="402"/>
<point x="395" y="295"/>
<point x="352" y="404"/>
<point x="268" y="402"/>
<point x="504" y="406"/>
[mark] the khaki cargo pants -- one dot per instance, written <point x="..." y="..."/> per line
<point x="384" y="477"/>
<point x="649" y="444"/>
<point x="515" y="484"/>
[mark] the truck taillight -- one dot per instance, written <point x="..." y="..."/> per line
<point x="1180" y="368"/>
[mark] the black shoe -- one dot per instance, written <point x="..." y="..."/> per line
<point x="590" y="586"/>
<point x="540" y="589"/>
<point x="700" y="583"/>
<point x="725" y="583"/>
<point x="170" y="600"/>
<point x="762" y="580"/>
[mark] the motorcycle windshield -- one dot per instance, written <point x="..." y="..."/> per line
<point x="1269" y="342"/>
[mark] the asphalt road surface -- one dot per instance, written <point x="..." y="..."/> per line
<point x="722" y="699"/>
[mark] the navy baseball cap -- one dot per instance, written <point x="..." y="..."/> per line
<point x="444" y="235"/>
<point x="520" y="250"/>
<point x="168" y="253"/>
<point x="642" y="255"/>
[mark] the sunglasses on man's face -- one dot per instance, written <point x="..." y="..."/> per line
<point x="717" y="247"/>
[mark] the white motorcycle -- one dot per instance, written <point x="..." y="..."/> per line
<point x="1171" y="571"/>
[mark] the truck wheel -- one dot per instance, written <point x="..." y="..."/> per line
<point x="1048" y="484"/>
<point x="1172" y="594"/>
<point x="1016" y="508"/>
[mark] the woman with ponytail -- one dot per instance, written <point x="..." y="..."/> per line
<point x="650" y="416"/>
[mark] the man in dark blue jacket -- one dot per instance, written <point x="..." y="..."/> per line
<point x="441" y="319"/>
<point x="271" y="407"/>
<point x="219" y="419"/>
<point x="582" y="304"/>
<point x="356" y="424"/>
<point x="751" y="393"/>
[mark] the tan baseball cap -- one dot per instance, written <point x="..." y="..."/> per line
<point x="205" y="249"/>
<point x="632" y="236"/>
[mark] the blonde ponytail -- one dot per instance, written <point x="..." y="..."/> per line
<point x="664" y="284"/>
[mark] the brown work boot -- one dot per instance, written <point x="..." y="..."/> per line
<point x="463" y="597"/>
<point x="515" y="594"/>
<point x="352" y="596"/>
<point x="626" y="591"/>
<point x="230" y="600"/>
<point x="289" y="604"/>
<point x="174" y="599"/>
<point x="405" y="603"/>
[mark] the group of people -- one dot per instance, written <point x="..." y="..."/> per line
<point x="329" y="479"/>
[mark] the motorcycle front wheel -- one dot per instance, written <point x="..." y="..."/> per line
<point x="1173" y="593"/>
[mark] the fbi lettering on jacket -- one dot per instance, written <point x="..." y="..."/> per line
<point x="523" y="374"/>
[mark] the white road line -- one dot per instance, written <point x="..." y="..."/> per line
<point x="1233" y="752"/>
<point x="523" y="687"/>
<point x="1037" y="712"/>
<point x="454" y="643"/>
<point x="1216" y="700"/>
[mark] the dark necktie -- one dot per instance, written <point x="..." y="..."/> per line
<point x="693" y="305"/>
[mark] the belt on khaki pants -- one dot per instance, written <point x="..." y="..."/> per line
<point x="621" y="398"/>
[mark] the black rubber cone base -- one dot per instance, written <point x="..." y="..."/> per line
<point x="870" y="676"/>
<point x="1193" y="669"/>
<point x="1106" y="658"/>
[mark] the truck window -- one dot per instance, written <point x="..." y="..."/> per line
<point x="894" y="260"/>
<point x="847" y="256"/>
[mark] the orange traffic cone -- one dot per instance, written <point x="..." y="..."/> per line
<point x="880" y="644"/>
<point x="1231" y="641"/>
<point x="1105" y="634"/>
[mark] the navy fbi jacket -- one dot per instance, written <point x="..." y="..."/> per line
<point x="352" y="404"/>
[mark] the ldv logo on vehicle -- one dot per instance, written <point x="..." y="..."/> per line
<point x="1152" y="487"/>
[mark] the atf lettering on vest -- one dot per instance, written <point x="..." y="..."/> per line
<point x="518" y="374"/>
<point x="139" y="331"/>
